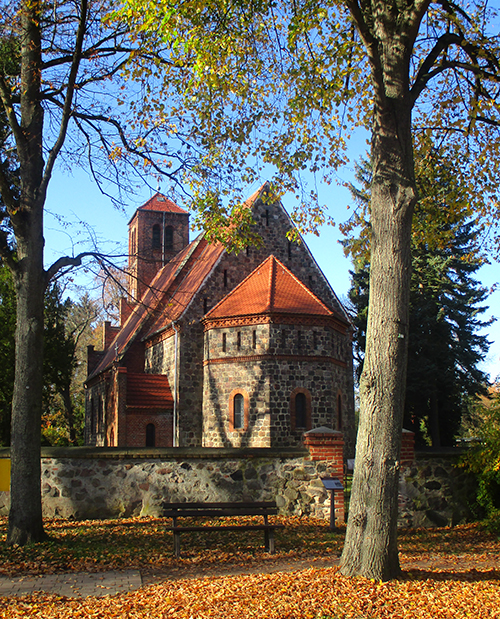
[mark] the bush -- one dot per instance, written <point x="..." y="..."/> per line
<point x="484" y="458"/>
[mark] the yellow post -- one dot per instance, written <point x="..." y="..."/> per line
<point x="4" y="474"/>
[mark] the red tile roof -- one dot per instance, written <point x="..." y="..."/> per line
<point x="180" y="296"/>
<point x="166" y="298"/>
<point x="160" y="203"/>
<point x="270" y="288"/>
<point x="149" y="391"/>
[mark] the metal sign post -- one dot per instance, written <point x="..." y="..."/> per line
<point x="332" y="484"/>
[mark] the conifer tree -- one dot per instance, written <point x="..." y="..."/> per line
<point x="444" y="346"/>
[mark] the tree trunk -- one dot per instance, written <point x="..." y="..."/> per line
<point x="370" y="548"/>
<point x="25" y="517"/>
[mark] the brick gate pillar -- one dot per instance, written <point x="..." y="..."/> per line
<point x="328" y="445"/>
<point x="407" y="448"/>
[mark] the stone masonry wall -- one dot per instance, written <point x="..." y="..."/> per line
<point x="110" y="483"/>
<point x="434" y="491"/>
<point x="296" y="356"/>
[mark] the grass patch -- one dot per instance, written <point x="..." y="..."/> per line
<point x="139" y="543"/>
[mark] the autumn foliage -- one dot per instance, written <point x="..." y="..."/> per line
<point x="448" y="573"/>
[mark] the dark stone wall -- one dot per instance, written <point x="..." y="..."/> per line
<point x="435" y="491"/>
<point x="286" y="357"/>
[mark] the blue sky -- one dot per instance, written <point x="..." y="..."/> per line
<point x="75" y="206"/>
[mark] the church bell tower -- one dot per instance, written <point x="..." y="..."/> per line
<point x="158" y="230"/>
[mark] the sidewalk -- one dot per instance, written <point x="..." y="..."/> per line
<point x="73" y="584"/>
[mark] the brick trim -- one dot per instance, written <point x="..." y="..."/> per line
<point x="264" y="319"/>
<point x="246" y="410"/>
<point x="407" y="448"/>
<point x="160" y="337"/>
<point x="329" y="447"/>
<point x="267" y="357"/>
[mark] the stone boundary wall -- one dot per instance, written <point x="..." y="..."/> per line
<point x="89" y="482"/>
<point x="85" y="483"/>
<point x="434" y="491"/>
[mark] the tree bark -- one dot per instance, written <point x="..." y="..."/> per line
<point x="25" y="517"/>
<point x="370" y="548"/>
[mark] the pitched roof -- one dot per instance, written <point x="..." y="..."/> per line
<point x="159" y="202"/>
<point x="180" y="296"/>
<point x="149" y="391"/>
<point x="166" y="297"/>
<point x="270" y="289"/>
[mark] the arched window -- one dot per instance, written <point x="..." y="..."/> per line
<point x="300" y="409"/>
<point x="169" y="238"/>
<point x="238" y="410"/>
<point x="339" y="411"/>
<point x="156" y="237"/>
<point x="132" y="242"/>
<point x="150" y="435"/>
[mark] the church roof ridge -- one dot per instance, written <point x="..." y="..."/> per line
<point x="148" y="305"/>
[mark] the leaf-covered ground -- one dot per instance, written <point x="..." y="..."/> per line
<point x="448" y="573"/>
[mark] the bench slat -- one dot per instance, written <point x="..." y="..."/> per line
<point x="218" y="510"/>
<point x="229" y="527"/>
<point x="239" y="505"/>
<point x="215" y="513"/>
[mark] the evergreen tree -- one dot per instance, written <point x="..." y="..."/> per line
<point x="66" y="322"/>
<point x="444" y="347"/>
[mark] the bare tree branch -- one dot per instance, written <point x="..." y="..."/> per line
<point x="70" y="89"/>
<point x="75" y="261"/>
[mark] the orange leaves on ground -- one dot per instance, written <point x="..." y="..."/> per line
<point x="438" y="582"/>
<point x="309" y="594"/>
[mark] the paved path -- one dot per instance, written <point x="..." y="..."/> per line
<point x="74" y="584"/>
<point x="83" y="584"/>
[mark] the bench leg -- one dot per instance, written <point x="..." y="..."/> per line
<point x="269" y="540"/>
<point x="177" y="544"/>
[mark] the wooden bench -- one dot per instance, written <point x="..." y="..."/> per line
<point x="220" y="510"/>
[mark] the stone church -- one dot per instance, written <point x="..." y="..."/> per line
<point x="216" y="349"/>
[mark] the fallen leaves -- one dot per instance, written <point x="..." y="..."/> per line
<point x="309" y="594"/>
<point x="439" y="585"/>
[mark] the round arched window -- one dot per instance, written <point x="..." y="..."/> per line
<point x="239" y="411"/>
<point x="169" y="238"/>
<point x="300" y="411"/>
<point x="156" y="237"/>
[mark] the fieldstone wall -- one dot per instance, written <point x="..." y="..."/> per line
<point x="435" y="492"/>
<point x="285" y="357"/>
<point x="81" y="483"/>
